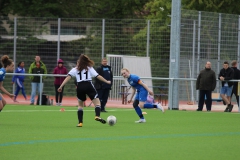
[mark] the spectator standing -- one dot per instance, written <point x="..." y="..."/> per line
<point x="8" y="66"/>
<point x="103" y="89"/>
<point x="235" y="84"/>
<point x="19" y="80"/>
<point x="59" y="69"/>
<point x="37" y="67"/>
<point x="206" y="83"/>
<point x="226" y="74"/>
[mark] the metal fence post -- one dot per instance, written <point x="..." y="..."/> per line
<point x="103" y="36"/>
<point x="14" y="48"/>
<point x="175" y="51"/>
<point x="148" y="37"/>
<point x="59" y="38"/>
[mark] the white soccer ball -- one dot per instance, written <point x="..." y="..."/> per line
<point x="111" y="120"/>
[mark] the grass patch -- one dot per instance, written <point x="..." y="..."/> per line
<point x="43" y="132"/>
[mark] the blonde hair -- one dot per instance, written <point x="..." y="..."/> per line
<point x="125" y="69"/>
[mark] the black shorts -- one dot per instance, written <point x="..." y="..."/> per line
<point x="86" y="88"/>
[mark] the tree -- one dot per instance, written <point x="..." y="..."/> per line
<point x="220" y="6"/>
<point x="74" y="8"/>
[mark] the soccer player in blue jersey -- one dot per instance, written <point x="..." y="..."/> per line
<point x="84" y="72"/>
<point x="8" y="66"/>
<point x="19" y="79"/>
<point x="142" y="93"/>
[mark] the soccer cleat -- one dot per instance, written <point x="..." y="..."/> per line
<point x="100" y="120"/>
<point x="230" y="108"/>
<point x="79" y="125"/>
<point x="227" y="108"/>
<point x="141" y="121"/>
<point x="160" y="107"/>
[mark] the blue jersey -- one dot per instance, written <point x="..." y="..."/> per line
<point x="20" y="77"/>
<point x="133" y="81"/>
<point x="2" y="74"/>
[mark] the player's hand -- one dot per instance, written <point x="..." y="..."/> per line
<point x="109" y="82"/>
<point x="129" y="101"/>
<point x="59" y="89"/>
<point x="11" y="95"/>
<point x="151" y="93"/>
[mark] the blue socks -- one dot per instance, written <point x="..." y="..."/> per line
<point x="139" y="112"/>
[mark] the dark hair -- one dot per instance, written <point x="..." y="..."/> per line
<point x="225" y="62"/>
<point x="84" y="62"/>
<point x="19" y="63"/>
<point x="6" y="61"/>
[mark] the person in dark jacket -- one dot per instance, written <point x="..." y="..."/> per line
<point x="103" y="89"/>
<point x="236" y="77"/>
<point x="206" y="83"/>
<point x="226" y="74"/>
<point x="59" y="69"/>
<point x="19" y="80"/>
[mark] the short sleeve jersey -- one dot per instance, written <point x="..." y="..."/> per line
<point x="133" y="81"/>
<point x="2" y="74"/>
<point x="84" y="75"/>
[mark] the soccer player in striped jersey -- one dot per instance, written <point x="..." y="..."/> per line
<point x="84" y="72"/>
<point x="142" y="93"/>
<point x="8" y="66"/>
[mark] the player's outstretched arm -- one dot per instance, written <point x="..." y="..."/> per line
<point x="146" y="87"/>
<point x="103" y="79"/>
<point x="64" y="82"/>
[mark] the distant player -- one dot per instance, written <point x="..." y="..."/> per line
<point x="19" y="79"/>
<point x="84" y="72"/>
<point x="142" y="93"/>
<point x="8" y="66"/>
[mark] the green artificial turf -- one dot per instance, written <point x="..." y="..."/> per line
<point x="44" y="132"/>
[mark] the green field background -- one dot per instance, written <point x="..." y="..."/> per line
<point x="44" y="132"/>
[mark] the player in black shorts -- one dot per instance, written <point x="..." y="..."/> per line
<point x="84" y="72"/>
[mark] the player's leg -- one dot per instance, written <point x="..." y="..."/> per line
<point x="80" y="112"/>
<point x="138" y="110"/>
<point x="93" y="95"/>
<point x="2" y="102"/>
<point x="100" y="95"/>
<point x="81" y="95"/>
<point x="136" y="106"/>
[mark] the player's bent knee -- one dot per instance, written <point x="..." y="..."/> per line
<point x="135" y="103"/>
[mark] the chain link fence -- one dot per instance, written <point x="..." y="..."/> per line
<point x="204" y="36"/>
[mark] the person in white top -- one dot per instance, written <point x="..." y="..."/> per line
<point x="83" y="73"/>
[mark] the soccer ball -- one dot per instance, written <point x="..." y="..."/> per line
<point x="111" y="120"/>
